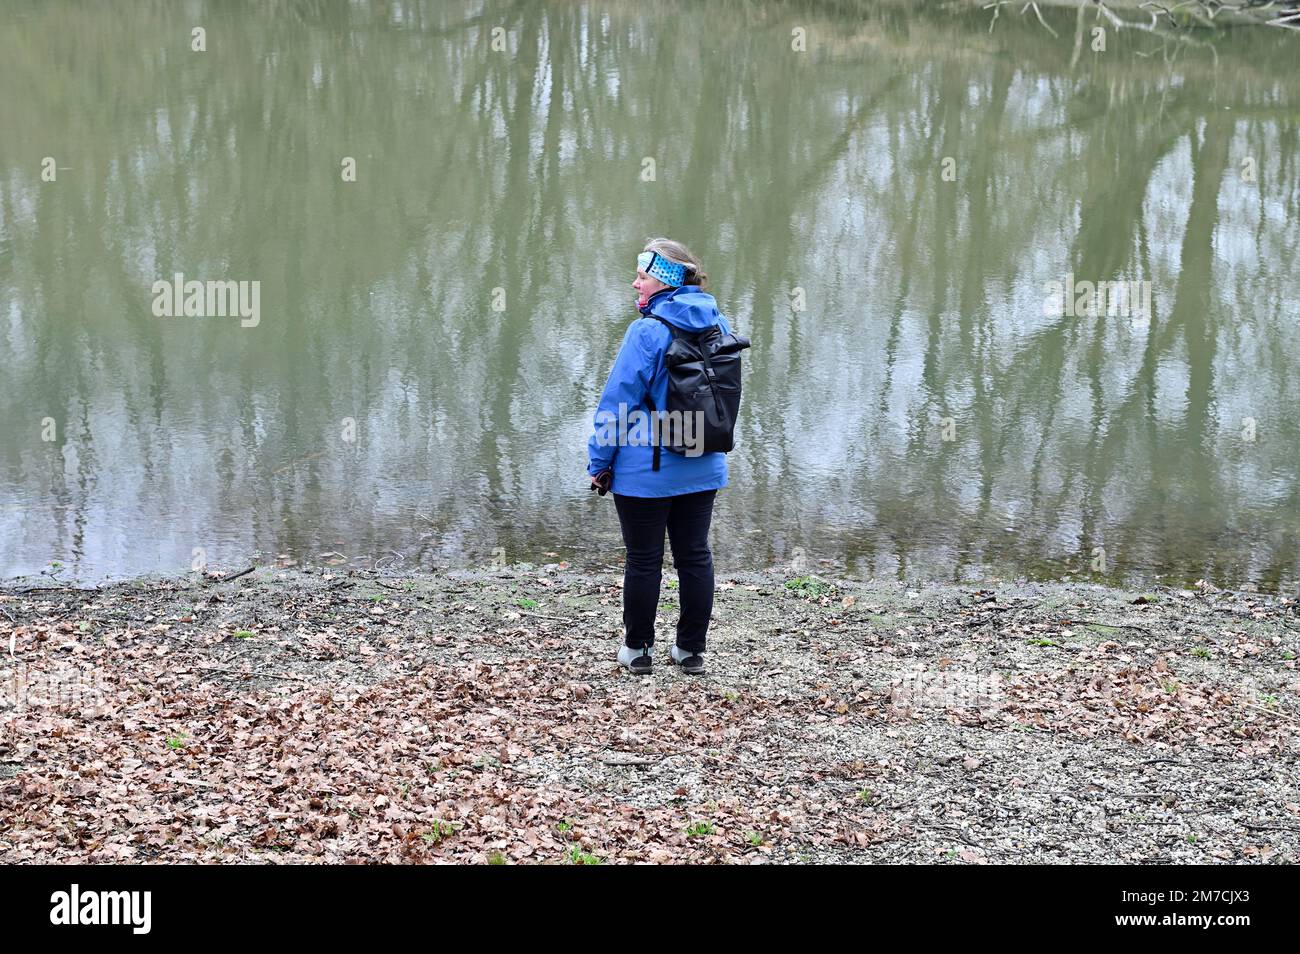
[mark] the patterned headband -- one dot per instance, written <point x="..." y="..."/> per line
<point x="664" y="269"/>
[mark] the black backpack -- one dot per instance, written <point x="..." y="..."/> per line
<point x="703" y="381"/>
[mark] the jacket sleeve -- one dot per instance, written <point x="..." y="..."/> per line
<point x="628" y="382"/>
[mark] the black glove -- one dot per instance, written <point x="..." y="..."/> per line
<point x="603" y="479"/>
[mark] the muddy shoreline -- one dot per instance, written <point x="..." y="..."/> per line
<point x="321" y="715"/>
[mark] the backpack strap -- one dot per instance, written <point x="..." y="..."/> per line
<point x="649" y="400"/>
<point x="676" y="333"/>
<point x="667" y="324"/>
<point x="673" y="330"/>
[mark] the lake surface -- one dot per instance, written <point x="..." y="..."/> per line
<point x="883" y="213"/>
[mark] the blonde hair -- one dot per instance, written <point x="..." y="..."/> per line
<point x="679" y="253"/>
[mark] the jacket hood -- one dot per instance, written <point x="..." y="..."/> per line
<point x="688" y="307"/>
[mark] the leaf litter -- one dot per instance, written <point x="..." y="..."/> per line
<point x="314" y="715"/>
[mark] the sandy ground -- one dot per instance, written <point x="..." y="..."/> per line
<point x="311" y="715"/>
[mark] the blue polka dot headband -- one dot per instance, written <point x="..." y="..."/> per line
<point x="664" y="269"/>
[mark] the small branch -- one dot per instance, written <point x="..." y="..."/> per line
<point x="1273" y="712"/>
<point x="252" y="673"/>
<point x="1114" y="20"/>
<point x="1092" y="622"/>
<point x="558" y="619"/>
<point x="1269" y="827"/>
<point x="997" y="8"/>
<point x="1039" y="14"/>
<point x="625" y="759"/>
<point x="969" y="839"/>
<point x="235" y="576"/>
<point x="63" y="589"/>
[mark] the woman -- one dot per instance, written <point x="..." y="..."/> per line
<point x="677" y="495"/>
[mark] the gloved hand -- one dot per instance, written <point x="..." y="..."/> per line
<point x="602" y="481"/>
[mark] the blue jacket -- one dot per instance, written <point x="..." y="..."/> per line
<point x="639" y="368"/>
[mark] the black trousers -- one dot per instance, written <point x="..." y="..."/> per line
<point x="686" y="518"/>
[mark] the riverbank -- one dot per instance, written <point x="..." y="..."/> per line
<point x="309" y="715"/>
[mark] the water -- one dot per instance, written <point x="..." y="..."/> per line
<point x="910" y="411"/>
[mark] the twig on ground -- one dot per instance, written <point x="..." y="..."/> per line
<point x="1273" y="712"/>
<point x="626" y="758"/>
<point x="56" y="589"/>
<point x="252" y="673"/>
<point x="235" y="576"/>
<point x="1270" y="827"/>
<point x="558" y="619"/>
<point x="970" y="840"/>
<point x="1092" y="622"/>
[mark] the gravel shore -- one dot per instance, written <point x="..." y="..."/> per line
<point x="479" y="716"/>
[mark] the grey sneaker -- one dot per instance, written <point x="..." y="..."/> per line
<point x="691" y="663"/>
<point x="637" y="661"/>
